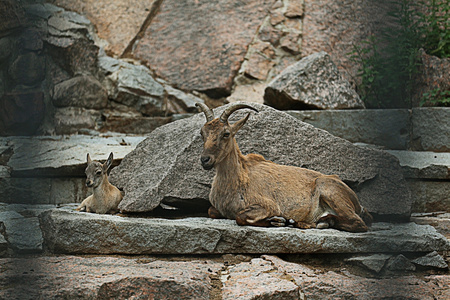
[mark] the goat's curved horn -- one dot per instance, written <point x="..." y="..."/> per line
<point x="209" y="114"/>
<point x="231" y="109"/>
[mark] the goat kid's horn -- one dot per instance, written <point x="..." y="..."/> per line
<point x="227" y="112"/>
<point x="209" y="114"/>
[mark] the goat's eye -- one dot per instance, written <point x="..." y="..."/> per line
<point x="98" y="173"/>
<point x="226" y="134"/>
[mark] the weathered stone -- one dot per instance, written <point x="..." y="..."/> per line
<point x="28" y="69"/>
<point x="179" y="102"/>
<point x="432" y="259"/>
<point x="374" y="262"/>
<point x="43" y="190"/>
<point x="440" y="221"/>
<point x="3" y="242"/>
<point x="72" y="277"/>
<point x="31" y="39"/>
<point x="23" y="234"/>
<point x="21" y="113"/>
<point x="433" y="75"/>
<point x="176" y="173"/>
<point x="248" y="93"/>
<point x="81" y="91"/>
<point x="313" y="82"/>
<point x="276" y="17"/>
<point x="131" y="122"/>
<point x="258" y="66"/>
<point x="6" y="47"/>
<point x="388" y="128"/>
<point x="75" y="53"/>
<point x="335" y="26"/>
<point x="134" y="86"/>
<point x="118" y="24"/>
<point x="424" y="165"/>
<point x="25" y="190"/>
<point x="68" y="231"/>
<point x="42" y="10"/>
<point x="290" y="42"/>
<point x="59" y="156"/>
<point x="195" y="58"/>
<point x="69" y="120"/>
<point x="12" y="16"/>
<point x="270" y="34"/>
<point x="400" y="263"/>
<point x="430" y="129"/>
<point x="258" y="279"/>
<point x="317" y="284"/>
<point x="294" y="9"/>
<point x="61" y="24"/>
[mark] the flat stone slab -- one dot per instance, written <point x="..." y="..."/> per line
<point x="63" y="155"/>
<point x="69" y="231"/>
<point x="424" y="165"/>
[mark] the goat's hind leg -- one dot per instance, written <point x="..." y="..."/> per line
<point x="213" y="213"/>
<point x="257" y="215"/>
<point x="334" y="194"/>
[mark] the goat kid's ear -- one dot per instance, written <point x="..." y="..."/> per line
<point x="88" y="158"/>
<point x="236" y="126"/>
<point x="108" y="163"/>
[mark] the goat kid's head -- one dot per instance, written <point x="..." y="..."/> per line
<point x="218" y="134"/>
<point x="96" y="171"/>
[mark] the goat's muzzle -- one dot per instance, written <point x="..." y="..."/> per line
<point x="207" y="162"/>
<point x="89" y="183"/>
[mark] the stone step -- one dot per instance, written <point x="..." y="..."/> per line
<point x="419" y="129"/>
<point x="68" y="231"/>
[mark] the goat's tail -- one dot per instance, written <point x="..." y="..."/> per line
<point x="366" y="216"/>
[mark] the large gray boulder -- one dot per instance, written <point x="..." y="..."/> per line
<point x="166" y="166"/>
<point x="313" y="82"/>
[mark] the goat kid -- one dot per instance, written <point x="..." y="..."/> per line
<point x="106" y="197"/>
<point x="258" y="192"/>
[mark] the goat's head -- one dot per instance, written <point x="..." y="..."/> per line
<point x="218" y="134"/>
<point x="96" y="171"/>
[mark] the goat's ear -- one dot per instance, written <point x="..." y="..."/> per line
<point x="88" y="158"/>
<point x="108" y="163"/>
<point x="236" y="126"/>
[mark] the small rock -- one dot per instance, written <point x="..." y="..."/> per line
<point x="400" y="263"/>
<point x="373" y="263"/>
<point x="313" y="82"/>
<point x="432" y="259"/>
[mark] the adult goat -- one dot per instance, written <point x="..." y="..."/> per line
<point x="258" y="192"/>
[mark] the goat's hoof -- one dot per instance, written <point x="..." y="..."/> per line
<point x="277" y="221"/>
<point x="322" y="225"/>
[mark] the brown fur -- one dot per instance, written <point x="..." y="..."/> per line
<point x="257" y="192"/>
<point x="106" y="197"/>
